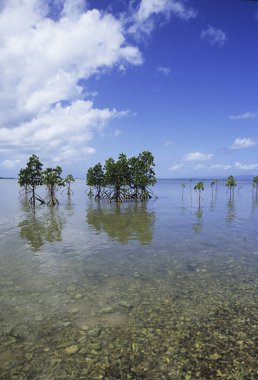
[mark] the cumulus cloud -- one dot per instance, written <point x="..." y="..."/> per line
<point x="148" y="8"/>
<point x="43" y="59"/>
<point x="238" y="165"/>
<point x="167" y="143"/>
<point x="174" y="168"/>
<point x="242" y="143"/>
<point x="198" y="156"/>
<point x="61" y="133"/>
<point x="144" y="18"/>
<point x="9" y="164"/>
<point x="246" y="115"/>
<point x="214" y="36"/>
<point x="221" y="166"/>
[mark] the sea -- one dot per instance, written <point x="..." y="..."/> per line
<point x="160" y="289"/>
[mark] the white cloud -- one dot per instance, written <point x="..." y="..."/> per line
<point x="198" y="156"/>
<point x="238" y="165"/>
<point x="167" y="143"/>
<point x="148" y="9"/>
<point x="214" y="36"/>
<point x="242" y="143"/>
<point x="73" y="8"/>
<point x="176" y="167"/>
<point x="221" y="166"/>
<point x="164" y="70"/>
<point x="200" y="167"/>
<point x="60" y="133"/>
<point x="9" y="164"/>
<point x="117" y="132"/>
<point x="42" y="106"/>
<point x="246" y="115"/>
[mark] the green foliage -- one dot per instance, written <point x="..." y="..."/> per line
<point x="231" y="184"/>
<point x="52" y="177"/>
<point x="53" y="180"/>
<point x="23" y="179"/>
<point x="95" y="176"/>
<point x="32" y="174"/>
<point x="117" y="172"/>
<point x="95" y="179"/>
<point x="199" y="187"/>
<point x="255" y="184"/>
<point x="213" y="184"/>
<point x="31" y="177"/>
<point x="125" y="178"/>
<point x="255" y="181"/>
<point x="68" y="181"/>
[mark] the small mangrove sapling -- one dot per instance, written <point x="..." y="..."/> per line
<point x="255" y="184"/>
<point x="183" y="188"/>
<point x="68" y="181"/>
<point x="231" y="184"/>
<point x="199" y="187"/>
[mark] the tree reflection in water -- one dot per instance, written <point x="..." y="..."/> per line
<point x="231" y="212"/>
<point x="197" y="227"/>
<point x="122" y="222"/>
<point x="39" y="228"/>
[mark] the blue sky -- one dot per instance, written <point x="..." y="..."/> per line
<point x="81" y="81"/>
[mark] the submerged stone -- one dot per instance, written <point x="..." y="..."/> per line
<point x="107" y="310"/>
<point x="74" y="310"/>
<point x="71" y="349"/>
<point x="95" y="332"/>
<point x="84" y="327"/>
<point x="125" y="304"/>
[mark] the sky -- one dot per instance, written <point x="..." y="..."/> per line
<point x="84" y="80"/>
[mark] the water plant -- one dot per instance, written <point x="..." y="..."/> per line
<point x="255" y="184"/>
<point x="199" y="187"/>
<point x="95" y="179"/>
<point x="117" y="177"/>
<point x="68" y="181"/>
<point x="33" y="176"/>
<point x="123" y="179"/>
<point x="231" y="184"/>
<point x="183" y="188"/>
<point x="30" y="178"/>
<point x="51" y="177"/>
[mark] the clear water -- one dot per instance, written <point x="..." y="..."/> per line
<point x="156" y="290"/>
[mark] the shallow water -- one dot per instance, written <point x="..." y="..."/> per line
<point x="156" y="290"/>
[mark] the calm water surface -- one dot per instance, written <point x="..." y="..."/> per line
<point x="157" y="290"/>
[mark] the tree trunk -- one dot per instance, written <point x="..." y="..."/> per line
<point x="33" y="197"/>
